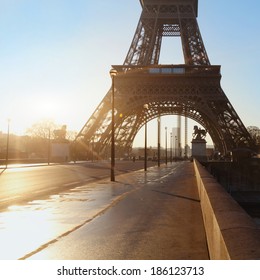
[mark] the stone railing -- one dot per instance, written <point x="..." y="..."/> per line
<point x="231" y="232"/>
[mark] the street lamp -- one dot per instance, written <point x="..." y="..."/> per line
<point x="92" y="149"/>
<point x="171" y="148"/>
<point x="159" y="140"/>
<point x="176" y="150"/>
<point x="113" y="73"/>
<point x="7" y="143"/>
<point x="166" y="145"/>
<point x="49" y="145"/>
<point x="145" y="138"/>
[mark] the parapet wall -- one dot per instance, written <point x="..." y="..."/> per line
<point x="231" y="232"/>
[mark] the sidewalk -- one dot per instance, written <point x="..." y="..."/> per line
<point x="159" y="217"/>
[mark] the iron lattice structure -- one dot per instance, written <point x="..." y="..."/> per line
<point x="192" y="90"/>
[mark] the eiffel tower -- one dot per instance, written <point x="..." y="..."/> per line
<point x="191" y="89"/>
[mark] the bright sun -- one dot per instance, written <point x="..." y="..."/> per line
<point x="47" y="109"/>
<point x="36" y="110"/>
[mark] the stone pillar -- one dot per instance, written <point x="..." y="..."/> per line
<point x="199" y="149"/>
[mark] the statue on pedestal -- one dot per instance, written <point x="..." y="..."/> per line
<point x="199" y="133"/>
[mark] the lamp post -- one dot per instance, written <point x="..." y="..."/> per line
<point x="113" y="73"/>
<point x="92" y="149"/>
<point x="171" y="148"/>
<point x="176" y="151"/>
<point x="7" y="143"/>
<point x="49" y="145"/>
<point x="145" y="138"/>
<point x="159" y="140"/>
<point x="166" y="155"/>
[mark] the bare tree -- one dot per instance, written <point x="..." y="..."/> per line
<point x="43" y="129"/>
<point x="255" y="134"/>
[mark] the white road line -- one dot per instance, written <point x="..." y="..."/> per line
<point x="71" y="184"/>
<point x="10" y="198"/>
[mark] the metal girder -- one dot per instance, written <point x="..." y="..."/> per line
<point x="167" y="18"/>
<point x="192" y="90"/>
<point x="193" y="47"/>
<point x="193" y="3"/>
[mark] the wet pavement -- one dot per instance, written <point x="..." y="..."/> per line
<point x="20" y="184"/>
<point x="143" y="215"/>
<point x="26" y="228"/>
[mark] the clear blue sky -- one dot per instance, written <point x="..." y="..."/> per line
<point x="55" y="56"/>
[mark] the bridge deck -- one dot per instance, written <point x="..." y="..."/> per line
<point x="159" y="218"/>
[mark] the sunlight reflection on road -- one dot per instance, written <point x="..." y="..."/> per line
<point x="24" y="229"/>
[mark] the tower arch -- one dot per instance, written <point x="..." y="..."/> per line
<point x="191" y="89"/>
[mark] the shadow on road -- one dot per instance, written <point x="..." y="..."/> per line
<point x="180" y="196"/>
<point x="2" y="171"/>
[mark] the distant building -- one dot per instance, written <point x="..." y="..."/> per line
<point x="60" y="152"/>
<point x="138" y="153"/>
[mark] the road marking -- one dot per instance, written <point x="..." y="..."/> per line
<point x="71" y="184"/>
<point x="40" y="191"/>
<point x="10" y="198"/>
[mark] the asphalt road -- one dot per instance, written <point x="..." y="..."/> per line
<point x="74" y="211"/>
<point x="159" y="219"/>
<point x="19" y="185"/>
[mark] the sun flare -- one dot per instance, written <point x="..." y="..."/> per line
<point x="47" y="108"/>
<point x="33" y="111"/>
